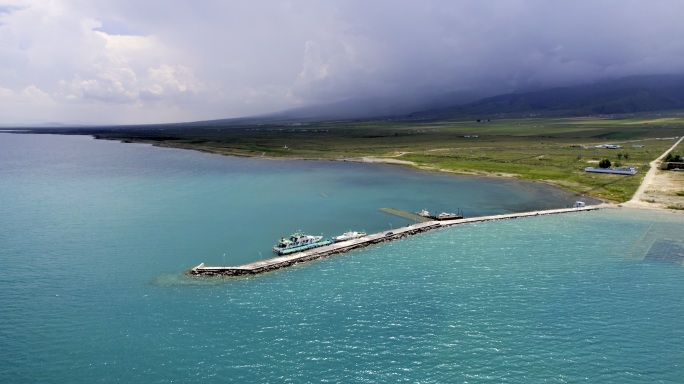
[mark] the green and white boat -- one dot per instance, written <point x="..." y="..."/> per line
<point x="298" y="242"/>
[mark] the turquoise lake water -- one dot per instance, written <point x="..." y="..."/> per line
<point x="95" y="236"/>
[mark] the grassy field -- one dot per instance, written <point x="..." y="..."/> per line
<point x="528" y="149"/>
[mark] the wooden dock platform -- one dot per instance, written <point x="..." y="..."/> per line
<point x="346" y="246"/>
<point x="406" y="215"/>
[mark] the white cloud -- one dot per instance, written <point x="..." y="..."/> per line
<point x="127" y="61"/>
<point x="62" y="60"/>
<point x="6" y="93"/>
<point x="173" y="79"/>
<point x="314" y="66"/>
<point x="122" y="45"/>
<point x="103" y="90"/>
<point x="33" y="94"/>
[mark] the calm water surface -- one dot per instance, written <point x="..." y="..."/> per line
<point x="94" y="236"/>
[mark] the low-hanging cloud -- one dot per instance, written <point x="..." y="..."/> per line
<point x="128" y="61"/>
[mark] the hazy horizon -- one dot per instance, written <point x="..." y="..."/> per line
<point x="125" y="62"/>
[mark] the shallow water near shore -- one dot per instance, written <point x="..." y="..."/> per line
<point x="95" y="236"/>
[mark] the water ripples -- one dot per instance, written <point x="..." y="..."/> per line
<point x="92" y="292"/>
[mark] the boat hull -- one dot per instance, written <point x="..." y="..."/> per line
<point x="301" y="248"/>
<point x="452" y="217"/>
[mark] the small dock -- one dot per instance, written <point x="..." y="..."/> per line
<point x="405" y="215"/>
<point x="376" y="238"/>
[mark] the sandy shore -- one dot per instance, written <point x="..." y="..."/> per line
<point x="392" y="160"/>
<point x="660" y="189"/>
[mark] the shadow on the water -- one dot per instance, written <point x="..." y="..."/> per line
<point x="666" y="250"/>
<point x="181" y="279"/>
<point x="662" y="242"/>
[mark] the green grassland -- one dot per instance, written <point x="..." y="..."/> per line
<point x="528" y="148"/>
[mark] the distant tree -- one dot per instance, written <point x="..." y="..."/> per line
<point x="618" y="164"/>
<point x="619" y="156"/>
<point x="673" y="158"/>
<point x="626" y="156"/>
<point x="605" y="163"/>
<point x="478" y="120"/>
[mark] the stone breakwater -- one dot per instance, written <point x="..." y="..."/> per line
<point x="346" y="246"/>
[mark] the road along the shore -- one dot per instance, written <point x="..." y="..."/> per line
<point x="648" y="179"/>
<point x="346" y="246"/>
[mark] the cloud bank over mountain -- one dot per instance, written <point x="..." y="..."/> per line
<point x="129" y="61"/>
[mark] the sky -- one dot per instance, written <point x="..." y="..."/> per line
<point x="137" y="61"/>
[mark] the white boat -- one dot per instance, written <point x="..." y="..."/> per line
<point x="424" y="213"/>
<point x="349" y="236"/>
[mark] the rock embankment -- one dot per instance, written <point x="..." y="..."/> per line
<point x="346" y="246"/>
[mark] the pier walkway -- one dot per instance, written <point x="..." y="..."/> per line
<point x="346" y="246"/>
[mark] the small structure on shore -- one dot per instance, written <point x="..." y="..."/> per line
<point x="619" y="171"/>
<point x="606" y="146"/>
<point x="666" y="165"/>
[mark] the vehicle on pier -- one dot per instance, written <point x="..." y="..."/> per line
<point x="298" y="242"/>
<point x="349" y="236"/>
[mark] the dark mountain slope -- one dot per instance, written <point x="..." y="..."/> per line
<point x="362" y="108"/>
<point x="626" y="95"/>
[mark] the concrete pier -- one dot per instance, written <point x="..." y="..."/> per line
<point x="346" y="246"/>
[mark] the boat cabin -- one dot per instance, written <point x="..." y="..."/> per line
<point x="296" y="239"/>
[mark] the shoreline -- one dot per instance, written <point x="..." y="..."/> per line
<point x="497" y="175"/>
<point x="634" y="202"/>
<point x="374" y="160"/>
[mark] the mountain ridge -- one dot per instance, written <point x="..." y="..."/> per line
<point x="626" y="95"/>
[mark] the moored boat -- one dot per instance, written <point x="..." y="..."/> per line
<point x="448" y="216"/>
<point x="298" y="242"/>
<point x="349" y="236"/>
<point x="424" y="213"/>
<point x="441" y="216"/>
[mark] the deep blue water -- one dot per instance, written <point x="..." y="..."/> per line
<point x="94" y="236"/>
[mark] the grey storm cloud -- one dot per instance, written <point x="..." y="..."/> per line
<point x="161" y="61"/>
